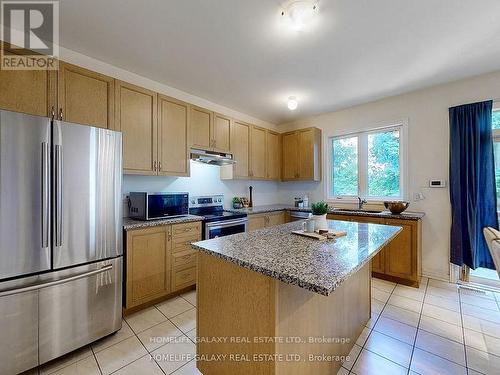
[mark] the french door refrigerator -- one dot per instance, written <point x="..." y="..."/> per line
<point x="60" y="238"/>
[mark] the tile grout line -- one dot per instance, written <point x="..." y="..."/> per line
<point x="418" y="325"/>
<point x="182" y="334"/>
<point x="372" y="329"/>
<point x="96" y="361"/>
<point x="463" y="331"/>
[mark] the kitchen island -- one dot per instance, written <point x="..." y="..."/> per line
<point x="272" y="302"/>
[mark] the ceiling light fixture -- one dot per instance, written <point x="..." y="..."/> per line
<point x="300" y="13"/>
<point x="292" y="103"/>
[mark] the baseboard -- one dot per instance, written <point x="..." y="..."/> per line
<point x="440" y="276"/>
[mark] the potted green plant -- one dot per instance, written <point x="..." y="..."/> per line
<point x="319" y="211"/>
<point x="237" y="203"/>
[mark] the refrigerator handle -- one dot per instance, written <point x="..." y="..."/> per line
<point x="45" y="195"/>
<point x="55" y="282"/>
<point x="59" y="197"/>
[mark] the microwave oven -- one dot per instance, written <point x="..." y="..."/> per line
<point x="152" y="206"/>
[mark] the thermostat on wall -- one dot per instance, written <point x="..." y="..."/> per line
<point x="437" y="183"/>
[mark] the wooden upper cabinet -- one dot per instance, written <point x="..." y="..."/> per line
<point x="302" y="155"/>
<point x="290" y="156"/>
<point x="85" y="97"/>
<point x="273" y="159"/>
<point x="220" y="133"/>
<point x="240" y="147"/>
<point x="200" y="126"/>
<point x="136" y="116"/>
<point x="173" y="135"/>
<point x="258" y="152"/>
<point x="28" y="91"/>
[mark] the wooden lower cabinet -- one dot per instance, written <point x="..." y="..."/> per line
<point x="265" y="220"/>
<point x="159" y="262"/>
<point x="148" y="264"/>
<point x="400" y="261"/>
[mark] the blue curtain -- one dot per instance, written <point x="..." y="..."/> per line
<point x="472" y="183"/>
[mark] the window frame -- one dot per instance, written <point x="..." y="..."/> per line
<point x="362" y="134"/>
<point x="496" y="132"/>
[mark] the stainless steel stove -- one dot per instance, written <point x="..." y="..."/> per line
<point x="217" y="222"/>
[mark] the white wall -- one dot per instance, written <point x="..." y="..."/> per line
<point x="204" y="180"/>
<point x="428" y="137"/>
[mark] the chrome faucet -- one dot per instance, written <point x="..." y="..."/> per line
<point x="361" y="202"/>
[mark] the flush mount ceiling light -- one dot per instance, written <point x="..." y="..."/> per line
<point x="292" y="103"/>
<point x="300" y="13"/>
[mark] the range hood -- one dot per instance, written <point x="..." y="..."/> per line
<point x="211" y="157"/>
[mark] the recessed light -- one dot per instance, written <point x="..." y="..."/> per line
<point x="292" y="103"/>
<point x="300" y="13"/>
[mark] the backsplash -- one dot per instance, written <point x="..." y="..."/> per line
<point x="204" y="180"/>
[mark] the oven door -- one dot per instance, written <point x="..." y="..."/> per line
<point x="224" y="228"/>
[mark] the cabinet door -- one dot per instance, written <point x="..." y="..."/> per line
<point x="85" y="97"/>
<point x="240" y="144"/>
<point x="220" y="133"/>
<point x="290" y="156"/>
<point x="200" y="125"/>
<point x="258" y="152"/>
<point x="275" y="218"/>
<point x="173" y="150"/>
<point x="28" y="91"/>
<point x="400" y="254"/>
<point x="378" y="262"/>
<point x="136" y="117"/>
<point x="256" y="222"/>
<point x="148" y="264"/>
<point x="273" y="152"/>
<point x="306" y="154"/>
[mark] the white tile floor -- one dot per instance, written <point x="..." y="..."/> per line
<point x="436" y="329"/>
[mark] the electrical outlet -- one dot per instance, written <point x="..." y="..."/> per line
<point x="418" y="197"/>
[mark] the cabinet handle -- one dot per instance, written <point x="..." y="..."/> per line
<point x="53" y="113"/>
<point x="60" y="114"/>
<point x="154" y="165"/>
<point x="159" y="166"/>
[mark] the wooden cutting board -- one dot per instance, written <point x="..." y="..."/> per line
<point x="318" y="236"/>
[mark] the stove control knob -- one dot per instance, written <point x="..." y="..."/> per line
<point x="193" y="201"/>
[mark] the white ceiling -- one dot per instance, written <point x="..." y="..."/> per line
<point x="238" y="54"/>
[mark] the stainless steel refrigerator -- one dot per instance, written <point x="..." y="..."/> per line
<point x="60" y="238"/>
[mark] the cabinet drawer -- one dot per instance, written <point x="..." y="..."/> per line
<point x="184" y="259"/>
<point x="187" y="229"/>
<point x="184" y="278"/>
<point x="183" y="243"/>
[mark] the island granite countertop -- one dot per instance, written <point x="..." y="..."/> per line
<point x="318" y="266"/>
<point x="130" y="224"/>
<point x="407" y="215"/>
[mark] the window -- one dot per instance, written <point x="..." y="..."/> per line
<point x="480" y="275"/>
<point x="367" y="164"/>
<point x="496" y="150"/>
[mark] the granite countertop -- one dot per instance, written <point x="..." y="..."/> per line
<point x="129" y="224"/>
<point x="319" y="266"/>
<point x="407" y="215"/>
